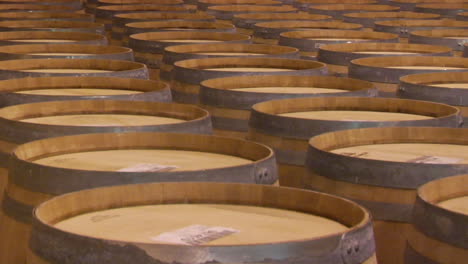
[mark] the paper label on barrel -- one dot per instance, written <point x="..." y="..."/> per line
<point x="195" y="235"/>
<point x="148" y="167"/>
<point x="435" y="160"/>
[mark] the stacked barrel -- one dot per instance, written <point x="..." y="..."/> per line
<point x="233" y="131"/>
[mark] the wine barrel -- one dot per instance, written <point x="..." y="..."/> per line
<point x="230" y="99"/>
<point x="105" y="14"/>
<point x="449" y="10"/>
<point x="305" y="4"/>
<point x="444" y="87"/>
<point x="188" y="74"/>
<point x="309" y="42"/>
<point x="367" y="19"/>
<point x="226" y="219"/>
<point x="203" y="5"/>
<point x="339" y="56"/>
<point x="269" y="32"/>
<point x="381" y="168"/>
<point x="173" y="54"/>
<point x="409" y="5"/>
<point x="286" y="125"/>
<point x="41" y="37"/>
<point x="227" y="12"/>
<point x="439" y="204"/>
<point x="65" y="51"/>
<point x="84" y="117"/>
<point x="36" y="8"/>
<point x="47" y="16"/>
<point x="337" y="10"/>
<point x="385" y="72"/>
<point x="10" y="69"/>
<point x="119" y="21"/>
<point x="56" y="26"/>
<point x="149" y="47"/>
<point x="453" y="38"/>
<point x="42" y="89"/>
<point x="175" y="25"/>
<point x="245" y="22"/>
<point x="405" y="27"/>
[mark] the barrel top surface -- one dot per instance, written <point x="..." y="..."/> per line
<point x="441" y="33"/>
<point x="48" y="24"/>
<point x="37" y="7"/>
<point x="308" y="24"/>
<point x="231" y="48"/>
<point x="44" y="15"/>
<point x="252" y="8"/>
<point x="146" y="7"/>
<point x="165" y="15"/>
<point x="280" y="16"/>
<point x="240" y="64"/>
<point x="452" y="80"/>
<point x="336" y="33"/>
<point x="397" y="144"/>
<point x="235" y="207"/>
<point x="285" y="84"/>
<point x="127" y="2"/>
<point x="447" y="193"/>
<point x="48" y="36"/>
<point x="63" y="49"/>
<point x="400" y="14"/>
<point x="189" y="35"/>
<point x="351" y="109"/>
<point x="422" y="23"/>
<point x="178" y="25"/>
<point x="245" y="220"/>
<point x="346" y="7"/>
<point x="413" y="62"/>
<point x="385" y="47"/>
<point x="444" y="6"/>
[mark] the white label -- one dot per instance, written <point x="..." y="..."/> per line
<point x="194" y="235"/>
<point x="435" y="160"/>
<point x="148" y="167"/>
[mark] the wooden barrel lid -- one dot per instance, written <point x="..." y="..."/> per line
<point x="343" y="54"/>
<point x="72" y="3"/>
<point x="76" y="67"/>
<point x="41" y="37"/>
<point x="312" y="40"/>
<point x="453" y="38"/>
<point x="445" y="9"/>
<point x="139" y="2"/>
<point x="390" y="69"/>
<point x="246" y="201"/>
<point x="196" y="70"/>
<point x="177" y="25"/>
<point x="51" y="25"/>
<point x="405" y="27"/>
<point x="8" y="16"/>
<point x="445" y="87"/>
<point x="367" y="19"/>
<point x="227" y="12"/>
<point x="28" y="90"/>
<point x="430" y="152"/>
<point x="70" y="51"/>
<point x="155" y="42"/>
<point x="141" y="157"/>
<point x="106" y="13"/>
<point x="36" y="7"/>
<point x="204" y="4"/>
<point x="272" y="30"/>
<point x="337" y="10"/>
<point x="440" y="203"/>
<point x="390" y="160"/>
<point x="304" y="4"/>
<point x="198" y="51"/>
<point x="57" y="118"/>
<point x="121" y="19"/>
<point x="241" y="92"/>
<point x="248" y="20"/>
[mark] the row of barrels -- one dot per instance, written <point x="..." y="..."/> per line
<point x="89" y="161"/>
